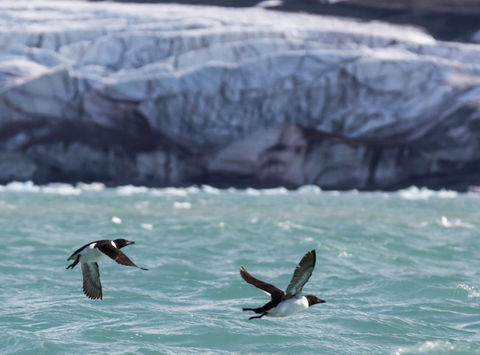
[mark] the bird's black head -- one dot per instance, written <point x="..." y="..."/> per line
<point x="313" y="300"/>
<point x="120" y="243"/>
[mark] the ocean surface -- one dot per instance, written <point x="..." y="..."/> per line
<point x="400" y="271"/>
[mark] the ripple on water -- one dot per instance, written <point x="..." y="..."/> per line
<point x="400" y="275"/>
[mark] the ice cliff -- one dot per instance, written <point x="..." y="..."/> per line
<point x="173" y="94"/>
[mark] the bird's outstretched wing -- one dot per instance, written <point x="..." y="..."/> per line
<point x="116" y="254"/>
<point x="301" y="274"/>
<point x="268" y="288"/>
<point x="91" y="281"/>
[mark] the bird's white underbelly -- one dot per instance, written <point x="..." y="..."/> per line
<point x="90" y="254"/>
<point x="288" y="307"/>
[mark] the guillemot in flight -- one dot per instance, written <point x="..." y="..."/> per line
<point x="90" y="253"/>
<point x="283" y="304"/>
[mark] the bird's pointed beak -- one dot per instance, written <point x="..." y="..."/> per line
<point x="129" y="242"/>
<point x="322" y="301"/>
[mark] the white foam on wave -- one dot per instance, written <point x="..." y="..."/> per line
<point x="19" y="186"/>
<point x="94" y="186"/>
<point x="472" y="291"/>
<point x="415" y="193"/>
<point x="267" y="192"/>
<point x="7" y="206"/>
<point x="169" y="191"/>
<point x="52" y="188"/>
<point x="309" y="190"/>
<point x="61" y="189"/>
<point x="116" y="220"/>
<point x="252" y="192"/>
<point x="428" y="347"/>
<point x="147" y="226"/>
<point x="275" y="191"/>
<point x="192" y="190"/>
<point x="128" y="190"/>
<point x="446" y="194"/>
<point x="182" y="205"/>
<point x="210" y="190"/>
<point x="411" y="193"/>
<point x="288" y="225"/>
<point x="445" y="222"/>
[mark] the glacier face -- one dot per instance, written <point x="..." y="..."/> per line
<point x="172" y="94"/>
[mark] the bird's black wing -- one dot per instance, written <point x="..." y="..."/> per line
<point x="274" y="292"/>
<point x="91" y="281"/>
<point x="301" y="274"/>
<point x="116" y="254"/>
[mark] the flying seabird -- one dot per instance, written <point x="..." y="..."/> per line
<point x="291" y="301"/>
<point x="90" y="253"/>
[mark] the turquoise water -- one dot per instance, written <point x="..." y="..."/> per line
<point x="400" y="271"/>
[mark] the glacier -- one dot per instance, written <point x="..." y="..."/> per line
<point x="172" y="95"/>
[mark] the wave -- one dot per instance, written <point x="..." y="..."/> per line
<point x="54" y="188"/>
<point x="415" y="193"/>
<point x="411" y="193"/>
<point x="432" y="347"/>
<point x="457" y="222"/>
<point x="472" y="291"/>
